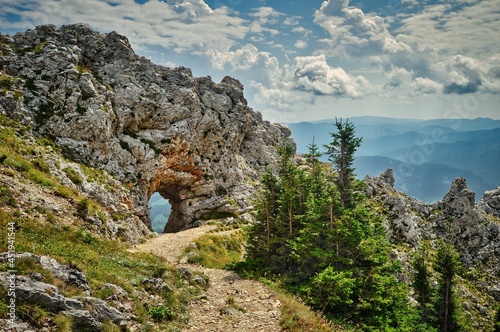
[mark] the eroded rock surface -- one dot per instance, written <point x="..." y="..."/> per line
<point x="194" y="141"/>
<point x="472" y="228"/>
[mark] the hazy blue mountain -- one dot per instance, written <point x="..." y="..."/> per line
<point x="426" y="155"/>
<point x="427" y="182"/>
<point x="159" y="210"/>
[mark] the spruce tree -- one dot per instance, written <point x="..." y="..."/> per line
<point x="341" y="153"/>
<point x="421" y="284"/>
<point x="446" y="306"/>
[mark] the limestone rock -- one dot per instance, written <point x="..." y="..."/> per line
<point x="42" y="294"/>
<point x="82" y="320"/>
<point x="103" y="312"/>
<point x="69" y="275"/>
<point x="490" y="202"/>
<point x="9" y="325"/>
<point x="459" y="200"/>
<point x="194" y="141"/>
<point x="470" y="227"/>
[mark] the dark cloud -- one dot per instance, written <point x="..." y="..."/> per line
<point x="469" y="87"/>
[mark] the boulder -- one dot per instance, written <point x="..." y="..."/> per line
<point x="490" y="202"/>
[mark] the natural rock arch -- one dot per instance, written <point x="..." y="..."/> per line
<point x="154" y="128"/>
<point x="176" y="179"/>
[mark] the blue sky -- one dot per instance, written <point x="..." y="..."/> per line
<point x="310" y="60"/>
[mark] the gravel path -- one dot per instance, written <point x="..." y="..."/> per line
<point x="230" y="303"/>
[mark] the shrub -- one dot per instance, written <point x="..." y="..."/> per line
<point x="160" y="313"/>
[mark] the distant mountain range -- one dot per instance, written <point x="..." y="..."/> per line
<point x="426" y="155"/>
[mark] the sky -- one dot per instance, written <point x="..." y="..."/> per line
<point x="310" y="60"/>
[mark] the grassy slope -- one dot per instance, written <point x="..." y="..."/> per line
<point x="65" y="236"/>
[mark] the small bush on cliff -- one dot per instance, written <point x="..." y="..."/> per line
<point x="160" y="313"/>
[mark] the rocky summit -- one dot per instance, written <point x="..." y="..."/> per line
<point x="160" y="129"/>
<point x="473" y="229"/>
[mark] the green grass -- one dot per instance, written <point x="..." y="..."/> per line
<point x="6" y="81"/>
<point x="94" y="175"/>
<point x="215" y="251"/>
<point x="6" y="197"/>
<point x="17" y="155"/>
<point x="73" y="175"/>
<point x="298" y="317"/>
<point x="102" y="261"/>
<point x="63" y="191"/>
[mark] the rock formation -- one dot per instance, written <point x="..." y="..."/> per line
<point x="474" y="229"/>
<point x="158" y="129"/>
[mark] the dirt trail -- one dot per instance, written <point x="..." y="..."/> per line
<point x="230" y="303"/>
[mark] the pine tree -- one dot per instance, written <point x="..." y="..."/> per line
<point x="341" y="153"/>
<point x="447" y="265"/>
<point x="421" y="284"/>
<point x="288" y="184"/>
<point x="279" y="205"/>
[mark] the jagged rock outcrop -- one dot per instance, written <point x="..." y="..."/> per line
<point x="490" y="202"/>
<point x="474" y="229"/>
<point x="69" y="275"/>
<point x="87" y="312"/>
<point x="194" y="141"/>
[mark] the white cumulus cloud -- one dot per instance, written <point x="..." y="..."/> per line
<point x="312" y="73"/>
<point x="245" y="58"/>
<point x="177" y="25"/>
<point x="300" y="44"/>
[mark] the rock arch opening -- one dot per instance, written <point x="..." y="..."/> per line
<point x="159" y="212"/>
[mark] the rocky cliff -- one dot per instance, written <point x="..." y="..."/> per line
<point x="157" y="129"/>
<point x="473" y="229"/>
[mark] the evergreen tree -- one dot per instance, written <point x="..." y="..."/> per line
<point x="279" y="205"/>
<point x="341" y="153"/>
<point x="288" y="194"/>
<point x="421" y="285"/>
<point x="326" y="246"/>
<point x="446" y="306"/>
